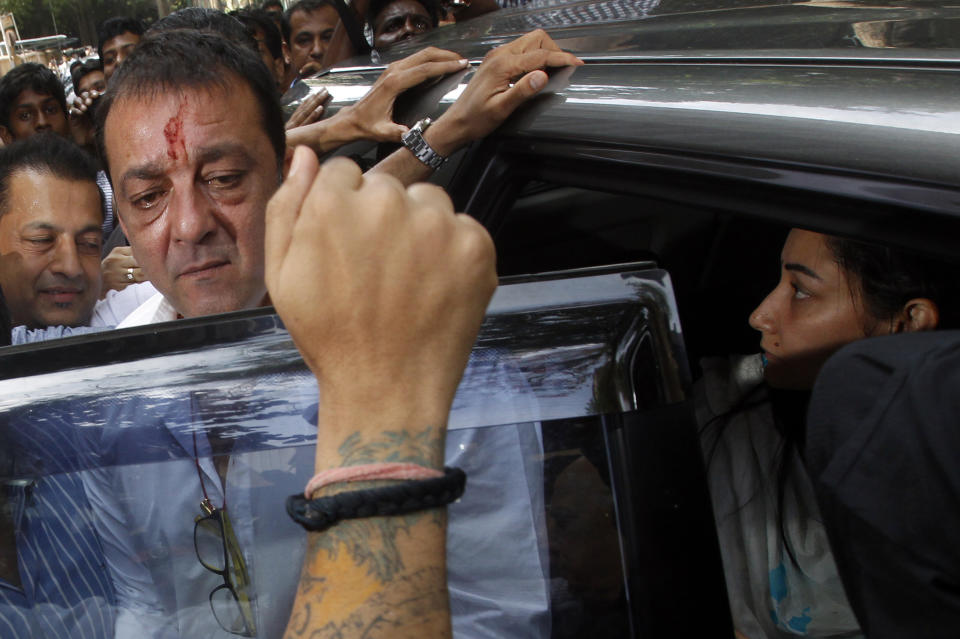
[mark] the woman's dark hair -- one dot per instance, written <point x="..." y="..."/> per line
<point x="887" y="278"/>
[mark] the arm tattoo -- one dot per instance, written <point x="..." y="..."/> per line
<point x="366" y="588"/>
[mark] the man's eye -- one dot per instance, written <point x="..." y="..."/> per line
<point x="89" y="246"/>
<point x="40" y="241"/>
<point x="327" y="36"/>
<point x="51" y="109"/>
<point x="303" y="41"/>
<point x="147" y="200"/>
<point x="421" y="25"/>
<point x="226" y="181"/>
<point x="25" y="116"/>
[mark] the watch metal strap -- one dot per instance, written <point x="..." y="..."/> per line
<point x="413" y="140"/>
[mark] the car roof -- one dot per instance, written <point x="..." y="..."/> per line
<point x="835" y="85"/>
<point x="626" y="28"/>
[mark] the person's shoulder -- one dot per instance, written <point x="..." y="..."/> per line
<point x="23" y="335"/>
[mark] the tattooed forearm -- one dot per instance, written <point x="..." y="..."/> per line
<point x="383" y="614"/>
<point x="378" y="576"/>
<point x="352" y="602"/>
<point x="394" y="446"/>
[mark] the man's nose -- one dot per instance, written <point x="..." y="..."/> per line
<point x="192" y="216"/>
<point x="318" y="49"/>
<point x="43" y="122"/>
<point x="66" y="262"/>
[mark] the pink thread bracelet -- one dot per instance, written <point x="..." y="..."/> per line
<point x="369" y="472"/>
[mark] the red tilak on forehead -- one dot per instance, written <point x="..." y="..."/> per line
<point x="173" y="131"/>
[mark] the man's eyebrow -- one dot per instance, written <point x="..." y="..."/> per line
<point x="39" y="226"/>
<point x="149" y="171"/>
<point x="90" y="228"/>
<point x="800" y="268"/>
<point x="216" y="152"/>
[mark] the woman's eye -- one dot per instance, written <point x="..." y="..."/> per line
<point x="799" y="293"/>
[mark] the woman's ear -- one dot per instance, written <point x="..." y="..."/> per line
<point x="919" y="314"/>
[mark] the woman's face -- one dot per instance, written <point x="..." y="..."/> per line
<point x="809" y="315"/>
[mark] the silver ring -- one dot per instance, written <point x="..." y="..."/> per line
<point x="129" y="274"/>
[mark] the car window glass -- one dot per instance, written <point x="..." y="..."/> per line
<point x="126" y="448"/>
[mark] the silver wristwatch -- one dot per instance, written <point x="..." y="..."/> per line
<point x="413" y="140"/>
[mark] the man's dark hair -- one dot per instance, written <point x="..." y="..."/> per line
<point x="82" y="70"/>
<point x="254" y="19"/>
<point x="170" y="61"/>
<point x="209" y="20"/>
<point x="112" y="27"/>
<point x="272" y="3"/>
<point x="46" y="153"/>
<point x="306" y="6"/>
<point x="32" y="76"/>
<point x="432" y="8"/>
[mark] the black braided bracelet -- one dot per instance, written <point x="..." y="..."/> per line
<point x="410" y="496"/>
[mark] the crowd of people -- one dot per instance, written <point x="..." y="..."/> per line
<point x="171" y="187"/>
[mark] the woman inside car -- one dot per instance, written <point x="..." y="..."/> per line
<point x="781" y="577"/>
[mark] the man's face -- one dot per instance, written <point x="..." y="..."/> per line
<point x="93" y="81"/>
<point x="33" y="113"/>
<point x="192" y="172"/>
<point x="398" y="21"/>
<point x="50" y="239"/>
<point x="310" y="35"/>
<point x="116" y="50"/>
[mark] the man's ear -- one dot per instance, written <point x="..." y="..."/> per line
<point x="287" y="159"/>
<point x="5" y="135"/>
<point x="919" y="314"/>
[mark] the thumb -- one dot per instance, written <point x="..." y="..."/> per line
<point x="523" y="89"/>
<point x="390" y="132"/>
